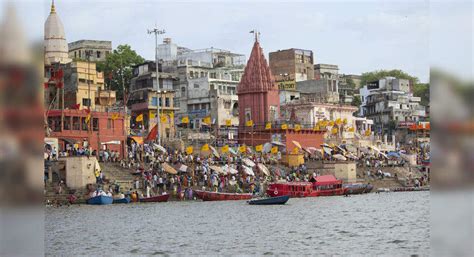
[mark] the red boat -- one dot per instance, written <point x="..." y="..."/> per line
<point x="158" y="198"/>
<point x="216" y="196"/>
<point x="326" y="185"/>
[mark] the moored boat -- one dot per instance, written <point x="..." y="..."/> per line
<point x="355" y="189"/>
<point x="157" y="198"/>
<point x="100" y="200"/>
<point x="326" y="185"/>
<point x="217" y="196"/>
<point x="122" y="200"/>
<point x="270" y="200"/>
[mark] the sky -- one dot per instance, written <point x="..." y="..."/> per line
<point x="359" y="36"/>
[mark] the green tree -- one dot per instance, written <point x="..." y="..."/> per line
<point x="356" y="101"/>
<point x="422" y="90"/>
<point x="351" y="83"/>
<point x="117" y="68"/>
<point x="376" y="75"/>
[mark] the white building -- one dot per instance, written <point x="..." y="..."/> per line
<point x="55" y="44"/>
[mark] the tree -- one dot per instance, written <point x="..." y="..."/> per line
<point x="356" y="101"/>
<point x="117" y="68"/>
<point x="422" y="90"/>
<point x="367" y="77"/>
<point x="350" y="83"/>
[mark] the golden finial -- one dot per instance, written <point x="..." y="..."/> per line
<point x="53" y="8"/>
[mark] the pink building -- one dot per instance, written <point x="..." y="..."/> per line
<point x="259" y="100"/>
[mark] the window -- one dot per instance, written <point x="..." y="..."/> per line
<point x="75" y="54"/>
<point x="154" y="101"/>
<point x="183" y="89"/>
<point x="86" y="102"/>
<point x="95" y="124"/>
<point x="84" y="124"/>
<point x="160" y="101"/>
<point x="196" y="85"/>
<point x="98" y="54"/>
<point x="212" y="75"/>
<point x="79" y="53"/>
<point x="110" y="124"/>
<point x="67" y="123"/>
<point x="167" y="102"/>
<point x="191" y="74"/>
<point x="76" y="123"/>
<point x="227" y="104"/>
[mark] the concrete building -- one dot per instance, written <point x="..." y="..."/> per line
<point x="319" y="91"/>
<point x="388" y="102"/>
<point x="55" y="44"/>
<point x="297" y="64"/>
<point x="326" y="71"/>
<point x="147" y="98"/>
<point x="98" y="50"/>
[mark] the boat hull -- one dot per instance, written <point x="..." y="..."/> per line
<point x="100" y="200"/>
<point x="155" y="199"/>
<point x="270" y="200"/>
<point x="123" y="200"/>
<point x="216" y="196"/>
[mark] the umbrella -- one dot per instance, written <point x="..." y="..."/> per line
<point x="183" y="168"/>
<point x="339" y="157"/>
<point x="217" y="169"/>
<point x="232" y="151"/>
<point x="267" y="147"/>
<point x="327" y="150"/>
<point x="278" y="143"/>
<point x="214" y="151"/>
<point x="159" y="147"/>
<point x="248" y="170"/>
<point x="169" y="169"/>
<point x="297" y="144"/>
<point x="307" y="150"/>
<point x="248" y="162"/>
<point x="263" y="169"/>
<point x="350" y="148"/>
<point x="393" y="154"/>
<point x="249" y="150"/>
<point x="229" y="169"/>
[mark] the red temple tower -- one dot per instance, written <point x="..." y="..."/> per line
<point x="257" y="91"/>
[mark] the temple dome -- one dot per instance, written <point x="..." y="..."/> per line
<point x="55" y="44"/>
<point x="14" y="47"/>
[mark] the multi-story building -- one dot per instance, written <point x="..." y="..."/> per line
<point x="388" y="102"/>
<point x="320" y="91"/>
<point x="147" y="98"/>
<point x="97" y="49"/>
<point x="297" y="64"/>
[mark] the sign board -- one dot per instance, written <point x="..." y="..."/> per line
<point x="287" y="85"/>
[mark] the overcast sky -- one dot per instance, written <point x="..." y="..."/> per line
<point x="357" y="36"/>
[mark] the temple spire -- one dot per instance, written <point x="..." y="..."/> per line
<point x="53" y="8"/>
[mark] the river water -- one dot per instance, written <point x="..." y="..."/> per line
<point x="371" y="224"/>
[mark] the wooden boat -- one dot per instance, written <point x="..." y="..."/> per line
<point x="326" y="185"/>
<point x="100" y="200"/>
<point x="155" y="199"/>
<point x="355" y="189"/>
<point x="217" y="196"/>
<point x="270" y="200"/>
<point x="122" y="200"/>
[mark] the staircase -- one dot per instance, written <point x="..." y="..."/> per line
<point x="115" y="173"/>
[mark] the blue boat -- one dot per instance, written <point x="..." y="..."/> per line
<point x="100" y="200"/>
<point x="122" y="200"/>
<point x="270" y="200"/>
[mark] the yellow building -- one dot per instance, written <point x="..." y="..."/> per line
<point x="147" y="103"/>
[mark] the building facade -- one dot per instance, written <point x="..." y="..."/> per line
<point x="294" y="63"/>
<point x="96" y="49"/>
<point x="55" y="44"/>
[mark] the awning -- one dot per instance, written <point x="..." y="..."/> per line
<point x="137" y="139"/>
<point x="159" y="147"/>
<point x="113" y="142"/>
<point x="248" y="170"/>
<point x="326" y="180"/>
<point x="214" y="151"/>
<point x="278" y="143"/>
<point x="263" y="169"/>
<point x="168" y="168"/>
<point x="248" y="162"/>
<point x="69" y="140"/>
<point x="297" y="144"/>
<point x="217" y="169"/>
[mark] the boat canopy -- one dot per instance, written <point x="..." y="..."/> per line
<point x="326" y="180"/>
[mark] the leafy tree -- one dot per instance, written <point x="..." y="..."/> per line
<point x="117" y="68"/>
<point x="422" y="90"/>
<point x="376" y="75"/>
<point x="350" y="83"/>
<point x="356" y="101"/>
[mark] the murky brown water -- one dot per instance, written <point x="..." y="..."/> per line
<point x="373" y="224"/>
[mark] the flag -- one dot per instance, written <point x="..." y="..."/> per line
<point x="164" y="118"/>
<point x="228" y="123"/>
<point x="344" y="121"/>
<point x="367" y="132"/>
<point x="207" y="120"/>
<point x="297" y="127"/>
<point x="88" y="118"/>
<point x="75" y="106"/>
<point x="295" y="150"/>
<point x="225" y="149"/>
<point x="242" y="149"/>
<point x="185" y="120"/>
<point x="338" y="121"/>
<point x="249" y="123"/>
<point x="331" y="123"/>
<point x="351" y="129"/>
<point x="268" y="125"/>
<point x="284" y="126"/>
<point x="275" y="149"/>
<point x="115" y="116"/>
<point x="153" y="133"/>
<point x="189" y="150"/>
<point x="139" y="118"/>
<point x="259" y="148"/>
<point x="171" y="115"/>
<point x="334" y="130"/>
<point x="205" y="147"/>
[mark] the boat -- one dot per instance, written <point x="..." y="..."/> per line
<point x="359" y="188"/>
<point x="122" y="200"/>
<point x="326" y="185"/>
<point x="270" y="200"/>
<point x="157" y="198"/>
<point x="100" y="200"/>
<point x="217" y="196"/>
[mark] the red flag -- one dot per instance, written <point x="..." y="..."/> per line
<point x="153" y="133"/>
<point x="75" y="106"/>
<point x="87" y="110"/>
<point x="59" y="74"/>
<point x="46" y="85"/>
<point x="59" y="84"/>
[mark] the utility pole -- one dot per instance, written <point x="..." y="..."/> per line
<point x="157" y="32"/>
